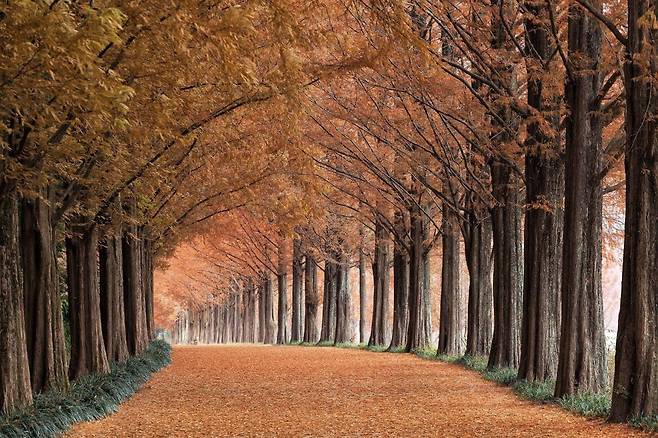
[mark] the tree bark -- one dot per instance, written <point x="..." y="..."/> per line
<point x="343" y="332"/>
<point x="44" y="324"/>
<point x="450" y="330"/>
<point x="380" y="274"/>
<point x="297" y="279"/>
<point x="328" y="329"/>
<point x="133" y="289"/>
<point x="635" y="389"/>
<point x="311" y="300"/>
<point x="362" y="297"/>
<point x="477" y="247"/>
<point x="270" y="334"/>
<point x="582" y="355"/>
<point x="111" y="298"/>
<point x="544" y="174"/>
<point x="507" y="267"/>
<point x="282" y="282"/>
<point x="400" y="292"/>
<point x="416" y="333"/>
<point x="87" y="347"/>
<point x="15" y="389"/>
<point x="147" y="284"/>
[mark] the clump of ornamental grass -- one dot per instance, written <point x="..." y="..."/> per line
<point x="587" y="404"/>
<point x="89" y="398"/>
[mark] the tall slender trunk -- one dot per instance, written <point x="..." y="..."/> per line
<point x="582" y="355"/>
<point x="328" y="329"/>
<point x="44" y="324"/>
<point x="477" y="247"/>
<point x="450" y="330"/>
<point x="635" y="390"/>
<point x="416" y="333"/>
<point x="261" y="309"/>
<point x="282" y="327"/>
<point x="400" y="291"/>
<point x="270" y="334"/>
<point x="87" y="347"/>
<point x="311" y="300"/>
<point x="362" y="297"/>
<point x="133" y="289"/>
<point x="426" y="279"/>
<point x="15" y="389"/>
<point x="544" y="174"/>
<point x="507" y="267"/>
<point x="343" y="333"/>
<point x="147" y="284"/>
<point x="297" y="307"/>
<point x="381" y="277"/>
<point x="111" y="297"/>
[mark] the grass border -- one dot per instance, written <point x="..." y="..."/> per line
<point x="89" y="398"/>
<point x="586" y="404"/>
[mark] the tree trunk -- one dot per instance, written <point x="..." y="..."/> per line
<point x="380" y="274"/>
<point x="270" y="334"/>
<point x="111" y="297"/>
<point x="477" y="247"/>
<point x="44" y="325"/>
<point x="15" y="390"/>
<point x="416" y="334"/>
<point x="133" y="289"/>
<point x="87" y="346"/>
<point x="450" y="330"/>
<point x="297" y="307"/>
<point x="328" y="329"/>
<point x="427" y="291"/>
<point x="635" y="389"/>
<point x="282" y="282"/>
<point x="544" y="174"/>
<point x="507" y="267"/>
<point x="147" y="284"/>
<point x="582" y="355"/>
<point x="343" y="332"/>
<point x="400" y="295"/>
<point x="261" y="309"/>
<point x="311" y="300"/>
<point x="362" y="297"/>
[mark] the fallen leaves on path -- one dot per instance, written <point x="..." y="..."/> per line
<point x="217" y="391"/>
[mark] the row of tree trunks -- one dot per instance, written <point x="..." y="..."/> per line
<point x="380" y="273"/>
<point x="44" y="323"/>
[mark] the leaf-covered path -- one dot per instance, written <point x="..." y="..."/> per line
<point x="212" y="391"/>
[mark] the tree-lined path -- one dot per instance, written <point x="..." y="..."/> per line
<point x="211" y="391"/>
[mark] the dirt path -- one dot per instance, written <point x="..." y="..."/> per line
<point x="301" y="391"/>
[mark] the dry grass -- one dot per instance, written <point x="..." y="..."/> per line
<point x="217" y="391"/>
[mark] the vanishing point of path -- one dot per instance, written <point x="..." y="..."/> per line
<point x="214" y="391"/>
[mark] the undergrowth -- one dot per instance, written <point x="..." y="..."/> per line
<point x="89" y="398"/>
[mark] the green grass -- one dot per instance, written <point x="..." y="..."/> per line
<point x="589" y="405"/>
<point x="89" y="398"/>
<point x="649" y="423"/>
